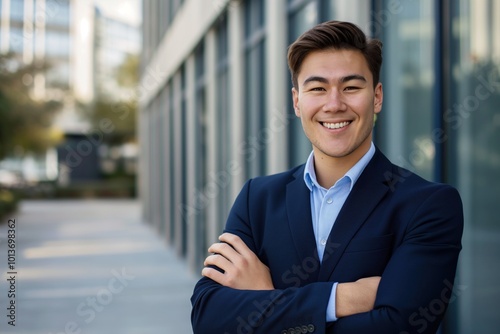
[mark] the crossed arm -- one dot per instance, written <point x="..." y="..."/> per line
<point x="243" y="270"/>
<point x="241" y="297"/>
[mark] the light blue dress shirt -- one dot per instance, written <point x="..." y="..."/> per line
<point x="326" y="205"/>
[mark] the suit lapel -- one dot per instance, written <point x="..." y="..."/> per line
<point x="298" y="206"/>
<point x="366" y="194"/>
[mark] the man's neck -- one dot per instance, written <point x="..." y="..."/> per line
<point x="330" y="169"/>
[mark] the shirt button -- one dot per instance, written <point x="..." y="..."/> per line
<point x="329" y="200"/>
<point x="323" y="242"/>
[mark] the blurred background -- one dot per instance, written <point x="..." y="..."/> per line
<point x="173" y="104"/>
<point x="69" y="71"/>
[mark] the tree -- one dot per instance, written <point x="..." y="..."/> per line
<point x="119" y="113"/>
<point x="25" y="123"/>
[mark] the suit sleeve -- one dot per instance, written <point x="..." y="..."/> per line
<point x="217" y="309"/>
<point x="416" y="286"/>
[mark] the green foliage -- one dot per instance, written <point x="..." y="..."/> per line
<point x="8" y="202"/>
<point x="26" y="123"/>
<point x="127" y="75"/>
<point x="113" y="116"/>
<point x="115" y="120"/>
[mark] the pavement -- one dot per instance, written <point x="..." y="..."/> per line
<point x="90" y="267"/>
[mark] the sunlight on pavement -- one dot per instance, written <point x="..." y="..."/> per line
<point x="96" y="247"/>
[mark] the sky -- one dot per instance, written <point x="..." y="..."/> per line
<point x="123" y="10"/>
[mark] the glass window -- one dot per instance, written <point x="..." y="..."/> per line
<point x="164" y="182"/>
<point x="171" y="140"/>
<point x="303" y="19"/>
<point x="201" y="147"/>
<point x="16" y="39"/>
<point x="163" y="11"/>
<point x="254" y="16"/>
<point x="184" y="139"/>
<point x="57" y="13"/>
<point x="300" y="21"/>
<point x="473" y="119"/>
<point x="223" y="117"/>
<point x="17" y="10"/>
<point x="254" y="147"/>
<point x="405" y="125"/>
<point x="57" y="43"/>
<point x="171" y="11"/>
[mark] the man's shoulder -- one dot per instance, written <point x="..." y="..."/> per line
<point x="402" y="179"/>
<point x="273" y="181"/>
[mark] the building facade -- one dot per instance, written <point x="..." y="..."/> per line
<point x="57" y="34"/>
<point x="83" y="49"/>
<point x="116" y="41"/>
<point x="216" y="110"/>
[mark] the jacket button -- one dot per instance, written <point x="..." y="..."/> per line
<point x="310" y="328"/>
<point x="303" y="330"/>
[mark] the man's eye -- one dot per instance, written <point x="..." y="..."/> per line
<point x="351" y="88"/>
<point x="317" y="89"/>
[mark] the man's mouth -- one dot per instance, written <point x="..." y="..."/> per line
<point x="338" y="125"/>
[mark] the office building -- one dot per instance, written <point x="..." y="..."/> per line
<point x="57" y="34"/>
<point x="216" y="110"/>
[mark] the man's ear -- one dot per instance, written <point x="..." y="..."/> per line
<point x="295" y="97"/>
<point x="378" y="98"/>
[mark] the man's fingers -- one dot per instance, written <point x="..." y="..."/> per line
<point x="242" y="268"/>
<point x="213" y="274"/>
<point x="218" y="261"/>
<point x="237" y="244"/>
<point x="224" y="250"/>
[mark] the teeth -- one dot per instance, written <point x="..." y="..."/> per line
<point x="335" y="125"/>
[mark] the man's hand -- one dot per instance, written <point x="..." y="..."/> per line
<point x="242" y="268"/>
<point x="356" y="297"/>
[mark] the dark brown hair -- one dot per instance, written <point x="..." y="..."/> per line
<point x="339" y="36"/>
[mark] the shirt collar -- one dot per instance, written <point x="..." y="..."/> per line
<point x="353" y="173"/>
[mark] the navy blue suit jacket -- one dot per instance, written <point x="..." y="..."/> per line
<point x="394" y="224"/>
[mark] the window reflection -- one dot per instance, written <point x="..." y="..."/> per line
<point x="201" y="143"/>
<point x="405" y="124"/>
<point x="254" y="146"/>
<point x="57" y="43"/>
<point x="300" y="21"/>
<point x="473" y="118"/>
<point x="223" y="114"/>
<point x="17" y="10"/>
<point x="57" y="13"/>
<point x="16" y="39"/>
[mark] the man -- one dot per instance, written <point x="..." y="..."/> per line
<point x="348" y="242"/>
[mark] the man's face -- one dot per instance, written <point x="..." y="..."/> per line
<point x="336" y="103"/>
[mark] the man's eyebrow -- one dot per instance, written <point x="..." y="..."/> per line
<point x="315" y="78"/>
<point x="352" y="77"/>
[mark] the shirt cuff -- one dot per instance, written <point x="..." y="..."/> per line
<point x="330" y="308"/>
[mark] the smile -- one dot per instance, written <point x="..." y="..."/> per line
<point x="335" y="125"/>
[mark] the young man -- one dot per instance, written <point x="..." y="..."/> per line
<point x="347" y="242"/>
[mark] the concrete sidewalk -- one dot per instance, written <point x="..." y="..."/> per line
<point x="91" y="267"/>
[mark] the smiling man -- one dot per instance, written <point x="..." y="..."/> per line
<point x="336" y="100"/>
<point x="347" y="242"/>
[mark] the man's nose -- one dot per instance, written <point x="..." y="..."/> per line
<point x="334" y="101"/>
